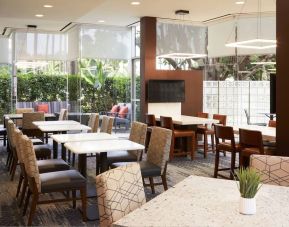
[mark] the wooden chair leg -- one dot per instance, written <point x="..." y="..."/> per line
<point x="233" y="159"/>
<point x="19" y="185"/>
<point x="172" y="149"/>
<point x="26" y="201"/>
<point x="217" y="159"/>
<point x="212" y="143"/>
<point x="33" y="208"/>
<point x="23" y="192"/>
<point x="193" y="152"/>
<point x="84" y="203"/>
<point x="205" y="145"/>
<point x="164" y="180"/>
<point x="152" y="184"/>
<point x="73" y="199"/>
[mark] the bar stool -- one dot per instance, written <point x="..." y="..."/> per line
<point x="272" y="124"/>
<point x="167" y="122"/>
<point x="225" y="133"/>
<point x="150" y="120"/>
<point x="251" y="142"/>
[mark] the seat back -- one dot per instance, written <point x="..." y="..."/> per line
<point x="107" y="124"/>
<point x="18" y="144"/>
<point x="30" y="161"/>
<point x="224" y="133"/>
<point x="202" y="115"/>
<point x="93" y="122"/>
<point x="28" y="119"/>
<point x="251" y="138"/>
<point x="10" y="128"/>
<point x="63" y="115"/>
<point x="273" y="169"/>
<point x="150" y="120"/>
<point x="166" y="122"/>
<point x="21" y="111"/>
<point x="159" y="147"/>
<point x="272" y="124"/>
<point x="221" y="118"/>
<point x="137" y="134"/>
<point x="120" y="191"/>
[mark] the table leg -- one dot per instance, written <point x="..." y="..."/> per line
<point x="55" y="149"/>
<point x="46" y="137"/>
<point x="82" y="164"/>
<point x="103" y="162"/>
<point x="63" y="152"/>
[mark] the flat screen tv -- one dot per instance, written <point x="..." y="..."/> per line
<point x="166" y="91"/>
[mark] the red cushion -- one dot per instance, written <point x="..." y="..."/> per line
<point x="123" y="111"/>
<point x="114" y="109"/>
<point x="42" y="108"/>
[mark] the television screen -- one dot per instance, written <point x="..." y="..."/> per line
<point x="166" y="91"/>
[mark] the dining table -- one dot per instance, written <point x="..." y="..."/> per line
<point x="77" y="137"/>
<point x="184" y="120"/>
<point x="101" y="147"/>
<point x="203" y="201"/>
<point x="20" y="116"/>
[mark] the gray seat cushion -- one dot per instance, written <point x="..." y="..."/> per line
<point x="52" y="165"/>
<point x="42" y="151"/>
<point x="61" y="181"/>
<point x="120" y="156"/>
<point x="148" y="169"/>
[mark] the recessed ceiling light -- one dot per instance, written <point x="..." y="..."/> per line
<point x="39" y="15"/>
<point x="100" y="21"/>
<point x="47" y="6"/>
<point x="135" y="3"/>
<point x="240" y="2"/>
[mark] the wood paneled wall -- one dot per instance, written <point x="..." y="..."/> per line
<point x="193" y="79"/>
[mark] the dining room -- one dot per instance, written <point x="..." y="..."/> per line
<point x="117" y="113"/>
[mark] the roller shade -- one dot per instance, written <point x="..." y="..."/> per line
<point x="5" y="50"/>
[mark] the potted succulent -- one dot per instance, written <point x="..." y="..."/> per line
<point x="249" y="184"/>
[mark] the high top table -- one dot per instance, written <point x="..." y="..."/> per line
<point x="268" y="133"/>
<point x="77" y="137"/>
<point x="189" y="120"/>
<point x="201" y="201"/>
<point x="101" y="147"/>
<point x="66" y="122"/>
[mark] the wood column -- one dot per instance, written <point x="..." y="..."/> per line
<point x="282" y="78"/>
<point x="193" y="78"/>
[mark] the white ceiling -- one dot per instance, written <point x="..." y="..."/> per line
<point x="19" y="13"/>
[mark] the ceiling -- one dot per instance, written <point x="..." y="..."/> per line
<point x="20" y="13"/>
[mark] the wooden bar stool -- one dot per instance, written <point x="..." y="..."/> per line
<point x="167" y="122"/>
<point x="226" y="134"/>
<point x="150" y="120"/>
<point x="251" y="142"/>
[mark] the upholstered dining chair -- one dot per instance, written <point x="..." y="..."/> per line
<point x="93" y="122"/>
<point x="120" y="191"/>
<point x="44" y="166"/>
<point x="225" y="142"/>
<point x="167" y="122"/>
<point x="60" y="181"/>
<point x="157" y="157"/>
<point x="251" y="142"/>
<point x="106" y="124"/>
<point x="205" y="131"/>
<point x="21" y="111"/>
<point x="138" y="135"/>
<point x="63" y="115"/>
<point x="273" y="169"/>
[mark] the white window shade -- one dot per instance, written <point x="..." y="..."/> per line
<point x="247" y="30"/>
<point x="73" y="43"/>
<point x="218" y="35"/>
<point x="31" y="46"/>
<point x="180" y="38"/>
<point x="5" y="50"/>
<point x="105" y="42"/>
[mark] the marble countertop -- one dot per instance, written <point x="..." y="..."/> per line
<point x="268" y="133"/>
<point x="200" y="201"/>
<point x="61" y="128"/>
<point x="76" y="137"/>
<point x="189" y="120"/>
<point x="68" y="122"/>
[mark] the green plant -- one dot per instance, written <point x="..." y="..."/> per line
<point x="249" y="182"/>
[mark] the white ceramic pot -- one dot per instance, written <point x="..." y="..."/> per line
<point x="247" y="206"/>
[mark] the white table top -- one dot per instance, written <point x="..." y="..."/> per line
<point x="268" y="133"/>
<point x="78" y="137"/>
<point x="68" y="122"/>
<point x="200" y="201"/>
<point x="102" y="146"/>
<point x="62" y="128"/>
<point x="20" y="116"/>
<point x="189" y="120"/>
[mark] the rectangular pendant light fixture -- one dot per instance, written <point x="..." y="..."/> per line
<point x="259" y="44"/>
<point x="182" y="56"/>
